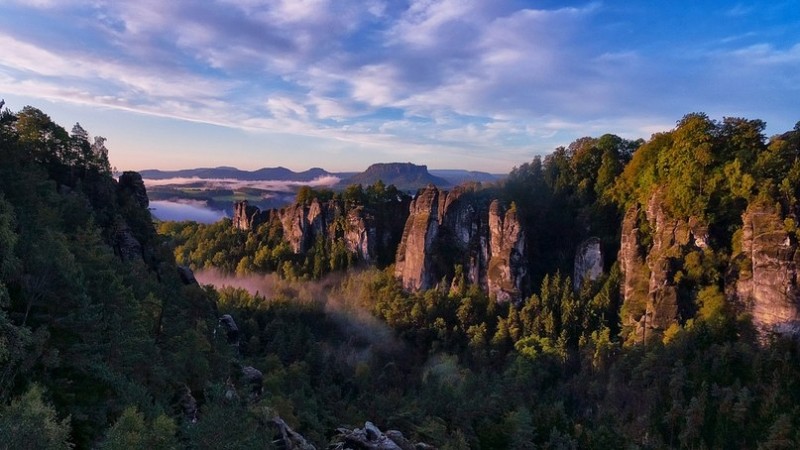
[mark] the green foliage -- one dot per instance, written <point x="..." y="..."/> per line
<point x="131" y="431"/>
<point x="32" y="423"/>
<point x="222" y="247"/>
<point x="115" y="342"/>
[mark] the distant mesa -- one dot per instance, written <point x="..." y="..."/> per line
<point x="404" y="176"/>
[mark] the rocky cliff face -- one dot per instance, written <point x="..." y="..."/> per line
<point x="124" y="239"/>
<point x="131" y="183"/>
<point x="440" y="230"/>
<point x="413" y="264"/>
<point x="766" y="271"/>
<point x="445" y="229"/>
<point x="650" y="292"/>
<point x="246" y="217"/>
<point x="588" y="262"/>
<point x="365" y="233"/>
<point x="507" y="266"/>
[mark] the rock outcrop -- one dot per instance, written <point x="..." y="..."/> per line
<point x="372" y="438"/>
<point x="507" y="266"/>
<point x="588" y="262"/>
<point x="426" y="238"/>
<point x="649" y="290"/>
<point x="247" y="217"/>
<point x="413" y="264"/>
<point x="462" y="228"/>
<point x="289" y="438"/>
<point x="766" y="271"/>
<point x="231" y="330"/>
<point x="125" y="243"/>
<point x="370" y="235"/>
<point x="132" y="184"/>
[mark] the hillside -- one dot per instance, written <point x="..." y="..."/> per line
<point x="456" y="176"/>
<point x="613" y="294"/>
<point x="611" y="290"/>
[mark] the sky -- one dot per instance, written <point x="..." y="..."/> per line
<point x="340" y="84"/>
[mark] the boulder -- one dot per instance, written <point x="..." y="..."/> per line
<point x="254" y="379"/>
<point x="231" y="330"/>
<point x="372" y="438"/>
<point x="288" y="437"/>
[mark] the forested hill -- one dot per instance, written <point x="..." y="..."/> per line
<point x="652" y="286"/>
<point x="679" y="333"/>
<point x="104" y="341"/>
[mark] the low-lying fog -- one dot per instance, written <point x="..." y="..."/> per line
<point x="234" y="184"/>
<point x="353" y="319"/>
<point x="179" y="211"/>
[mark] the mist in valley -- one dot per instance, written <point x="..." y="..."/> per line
<point x="337" y="294"/>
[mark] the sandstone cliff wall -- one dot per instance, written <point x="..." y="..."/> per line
<point x="649" y="262"/>
<point x="765" y="271"/>
<point x="366" y="233"/>
<point x="461" y="227"/>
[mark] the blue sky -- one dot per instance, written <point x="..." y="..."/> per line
<point x="340" y="84"/>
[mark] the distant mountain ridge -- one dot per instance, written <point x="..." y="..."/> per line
<point x="267" y="173"/>
<point x="458" y="176"/>
<point x="405" y="176"/>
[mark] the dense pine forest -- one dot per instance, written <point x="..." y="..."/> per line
<point x="678" y="342"/>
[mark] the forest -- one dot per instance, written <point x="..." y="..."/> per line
<point x="106" y="341"/>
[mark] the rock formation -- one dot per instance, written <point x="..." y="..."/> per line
<point x="767" y="267"/>
<point x="253" y="379"/>
<point x="507" y="266"/>
<point x="289" y="438"/>
<point x="588" y="262"/>
<point x="231" y="330"/>
<point x="372" y="438"/>
<point x="413" y="262"/>
<point x="188" y="404"/>
<point x="132" y="183"/>
<point x="246" y="217"/>
<point x="367" y="234"/>
<point x="465" y="228"/>
<point x="125" y="243"/>
<point x="650" y="294"/>
<point x="426" y="237"/>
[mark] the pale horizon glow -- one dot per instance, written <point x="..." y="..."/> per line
<point x="342" y="84"/>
